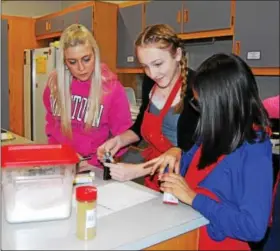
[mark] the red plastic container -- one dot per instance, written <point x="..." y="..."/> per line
<point x="37" y="155"/>
<point x="37" y="181"/>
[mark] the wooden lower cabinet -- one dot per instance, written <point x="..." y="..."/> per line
<point x="187" y="241"/>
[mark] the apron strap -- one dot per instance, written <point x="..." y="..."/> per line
<point x="170" y="98"/>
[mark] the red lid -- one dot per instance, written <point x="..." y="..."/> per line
<point x="86" y="193"/>
<point x="37" y="155"/>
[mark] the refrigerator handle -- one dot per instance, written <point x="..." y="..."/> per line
<point x="24" y="58"/>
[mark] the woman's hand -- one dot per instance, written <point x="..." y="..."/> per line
<point x="83" y="165"/>
<point x="176" y="185"/>
<point x="126" y="171"/>
<point x="170" y="158"/>
<point x="112" y="145"/>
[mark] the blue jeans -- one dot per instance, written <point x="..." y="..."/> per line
<point x="273" y="241"/>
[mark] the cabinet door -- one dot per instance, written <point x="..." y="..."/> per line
<point x="197" y="52"/>
<point x="257" y="32"/>
<point x="165" y="12"/>
<point x="56" y="24"/>
<point x="85" y="17"/>
<point x="69" y="18"/>
<point x="5" y="117"/>
<point x="268" y="86"/>
<point x="41" y="27"/>
<point x="129" y="27"/>
<point x="206" y="15"/>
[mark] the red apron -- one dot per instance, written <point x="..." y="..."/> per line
<point x="273" y="198"/>
<point x="193" y="177"/>
<point x="151" y="131"/>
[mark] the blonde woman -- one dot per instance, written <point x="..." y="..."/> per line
<point x="85" y="102"/>
<point x="166" y="118"/>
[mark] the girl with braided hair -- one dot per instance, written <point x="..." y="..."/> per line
<point x="166" y="118"/>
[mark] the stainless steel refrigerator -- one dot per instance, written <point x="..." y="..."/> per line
<point x="38" y="63"/>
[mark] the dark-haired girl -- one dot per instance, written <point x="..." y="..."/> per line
<point x="227" y="175"/>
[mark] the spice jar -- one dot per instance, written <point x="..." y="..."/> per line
<point x="86" y="212"/>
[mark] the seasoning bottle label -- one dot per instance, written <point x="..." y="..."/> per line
<point x="90" y="218"/>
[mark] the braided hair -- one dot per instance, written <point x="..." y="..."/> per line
<point x="164" y="37"/>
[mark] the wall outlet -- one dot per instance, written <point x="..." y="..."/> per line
<point x="130" y="59"/>
<point x="256" y="55"/>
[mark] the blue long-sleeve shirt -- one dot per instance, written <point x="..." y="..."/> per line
<point x="243" y="183"/>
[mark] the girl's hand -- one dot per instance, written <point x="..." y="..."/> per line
<point x="85" y="166"/>
<point x="126" y="171"/>
<point x="170" y="158"/>
<point x="112" y="145"/>
<point x="176" y="185"/>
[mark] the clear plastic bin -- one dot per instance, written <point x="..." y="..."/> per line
<point x="37" y="182"/>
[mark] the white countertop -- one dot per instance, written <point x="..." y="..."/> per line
<point x="276" y="150"/>
<point x="133" y="228"/>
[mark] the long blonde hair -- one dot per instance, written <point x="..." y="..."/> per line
<point x="72" y="36"/>
<point x="163" y="36"/>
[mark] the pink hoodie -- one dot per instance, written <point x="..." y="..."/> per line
<point x="272" y="106"/>
<point x="115" y="116"/>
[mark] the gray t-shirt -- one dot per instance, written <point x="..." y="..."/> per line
<point x="169" y="126"/>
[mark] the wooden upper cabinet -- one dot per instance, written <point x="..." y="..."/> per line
<point x="129" y="27"/>
<point x="69" y="18"/>
<point x="39" y="27"/>
<point x="164" y="12"/>
<point x="58" y="23"/>
<point x="268" y="86"/>
<point x="206" y="15"/>
<point x="98" y="17"/>
<point x="190" y="16"/>
<point x="48" y="26"/>
<point x="83" y="16"/>
<point x="257" y="33"/>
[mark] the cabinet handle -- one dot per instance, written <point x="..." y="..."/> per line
<point x="50" y="26"/>
<point x="237" y="48"/>
<point x="179" y="16"/>
<point x="232" y="20"/>
<point x="186" y="16"/>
